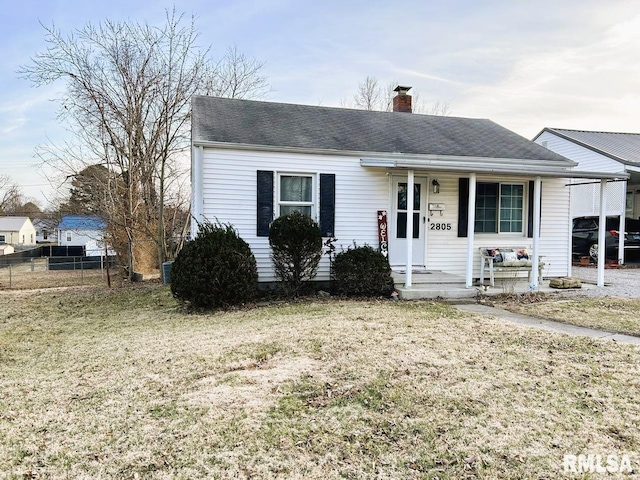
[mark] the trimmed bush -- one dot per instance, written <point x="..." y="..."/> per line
<point x="296" y="246"/>
<point x="215" y="270"/>
<point x="362" y="271"/>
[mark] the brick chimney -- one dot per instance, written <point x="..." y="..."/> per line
<point x="402" y="101"/>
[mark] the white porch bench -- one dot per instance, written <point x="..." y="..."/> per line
<point x="506" y="259"/>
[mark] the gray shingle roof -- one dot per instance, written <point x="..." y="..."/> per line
<point x="12" y="224"/>
<point x="624" y="147"/>
<point x="269" y="124"/>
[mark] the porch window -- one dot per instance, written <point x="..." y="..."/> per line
<point x="296" y="194"/>
<point x="499" y="208"/>
<point x="401" y="224"/>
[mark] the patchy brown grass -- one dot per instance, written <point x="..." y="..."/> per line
<point x="618" y="315"/>
<point x="124" y="384"/>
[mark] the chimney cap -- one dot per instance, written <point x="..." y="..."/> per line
<point x="401" y="89"/>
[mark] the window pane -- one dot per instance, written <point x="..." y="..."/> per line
<point x="511" y="201"/>
<point x="286" y="209"/>
<point x="401" y="225"/>
<point x="486" y="212"/>
<point x="402" y="197"/>
<point x="416" y="196"/>
<point x="295" y="189"/>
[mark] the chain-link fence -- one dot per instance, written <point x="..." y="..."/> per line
<point x="55" y="272"/>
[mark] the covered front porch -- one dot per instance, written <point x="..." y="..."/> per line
<point x="458" y="243"/>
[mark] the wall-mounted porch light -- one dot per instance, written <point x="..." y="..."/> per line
<point x="436" y="186"/>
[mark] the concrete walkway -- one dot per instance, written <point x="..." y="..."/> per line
<point x="547" y="325"/>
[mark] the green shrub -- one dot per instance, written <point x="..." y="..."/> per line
<point x="362" y="271"/>
<point x="296" y="246"/>
<point x="215" y="270"/>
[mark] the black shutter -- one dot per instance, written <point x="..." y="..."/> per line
<point x="265" y="202"/>
<point x="530" y="211"/>
<point x="463" y="206"/>
<point x="327" y="204"/>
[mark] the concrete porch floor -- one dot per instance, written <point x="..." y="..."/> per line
<point x="437" y="284"/>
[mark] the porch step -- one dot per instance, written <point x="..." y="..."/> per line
<point x="434" y="277"/>
<point x="420" y="292"/>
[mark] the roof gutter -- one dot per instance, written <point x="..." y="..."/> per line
<point x="385" y="156"/>
<point x="491" y="167"/>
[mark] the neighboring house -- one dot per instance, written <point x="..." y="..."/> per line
<point x="253" y="161"/>
<point x="85" y="231"/>
<point x="6" y="249"/>
<point x="17" y="231"/>
<point x="608" y="152"/>
<point x="46" y="230"/>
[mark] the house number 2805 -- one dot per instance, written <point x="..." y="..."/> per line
<point x="440" y="226"/>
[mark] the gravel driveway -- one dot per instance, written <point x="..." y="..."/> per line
<point x="619" y="282"/>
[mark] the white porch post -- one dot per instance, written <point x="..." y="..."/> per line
<point x="409" y="244"/>
<point x="471" y="222"/>
<point x="623" y="227"/>
<point x="602" y="251"/>
<point x="537" y="195"/>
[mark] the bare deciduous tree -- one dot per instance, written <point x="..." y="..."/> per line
<point x="372" y="96"/>
<point x="11" y="198"/>
<point x="127" y="101"/>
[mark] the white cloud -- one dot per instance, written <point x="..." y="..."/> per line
<point x="593" y="86"/>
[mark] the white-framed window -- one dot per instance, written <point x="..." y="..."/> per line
<point x="68" y="236"/>
<point x="296" y="192"/>
<point x="3" y="238"/>
<point x="45" y="234"/>
<point x="499" y="208"/>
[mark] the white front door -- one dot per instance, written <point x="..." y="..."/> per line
<point x="398" y="230"/>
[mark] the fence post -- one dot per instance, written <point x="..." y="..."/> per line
<point x="81" y="272"/>
<point x="10" y="284"/>
<point x="32" y="263"/>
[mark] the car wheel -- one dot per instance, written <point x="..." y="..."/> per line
<point x="593" y="252"/>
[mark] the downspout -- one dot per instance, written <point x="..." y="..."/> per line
<point x="409" y="243"/>
<point x="196" y="183"/>
<point x="602" y="251"/>
<point x="471" y="222"/>
<point x="537" y="196"/>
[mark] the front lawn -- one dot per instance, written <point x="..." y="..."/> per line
<point x="617" y="315"/>
<point x="124" y="384"/>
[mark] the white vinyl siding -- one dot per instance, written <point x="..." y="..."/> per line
<point x="446" y="251"/>
<point x="585" y="198"/>
<point x="229" y="196"/>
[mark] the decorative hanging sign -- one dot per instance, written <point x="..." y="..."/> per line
<point x="383" y="234"/>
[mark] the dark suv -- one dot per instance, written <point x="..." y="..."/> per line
<point x="585" y="237"/>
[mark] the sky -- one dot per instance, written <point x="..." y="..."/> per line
<point x="524" y="64"/>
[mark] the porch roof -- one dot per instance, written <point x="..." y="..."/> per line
<point x="496" y="166"/>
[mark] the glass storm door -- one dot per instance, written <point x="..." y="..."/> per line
<point x="402" y="213"/>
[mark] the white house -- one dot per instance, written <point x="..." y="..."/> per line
<point x="46" y="230"/>
<point x="85" y="231"/>
<point x="253" y="161"/>
<point x="17" y="231"/>
<point x="607" y="152"/>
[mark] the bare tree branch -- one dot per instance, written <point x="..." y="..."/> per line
<point x="127" y="102"/>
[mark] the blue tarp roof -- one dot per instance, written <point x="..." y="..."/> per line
<point x="81" y="222"/>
